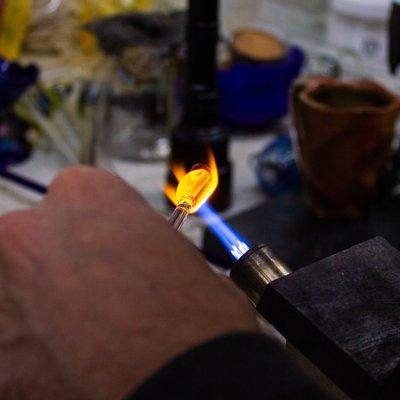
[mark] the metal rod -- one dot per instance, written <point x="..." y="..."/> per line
<point x="179" y="216"/>
<point x="22" y="181"/>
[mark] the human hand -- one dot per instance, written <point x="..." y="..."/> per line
<point x="100" y="292"/>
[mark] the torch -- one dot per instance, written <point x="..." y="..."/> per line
<point x="199" y="129"/>
<point x="256" y="267"/>
<point x="340" y="316"/>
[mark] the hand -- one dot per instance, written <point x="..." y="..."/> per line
<point x="100" y="292"/>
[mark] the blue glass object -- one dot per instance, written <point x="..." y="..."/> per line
<point x="14" y="80"/>
<point x="14" y="147"/>
<point x="276" y="168"/>
<point x="256" y="95"/>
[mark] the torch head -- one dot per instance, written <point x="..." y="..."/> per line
<point x="256" y="269"/>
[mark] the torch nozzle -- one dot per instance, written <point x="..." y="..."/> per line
<point x="256" y="269"/>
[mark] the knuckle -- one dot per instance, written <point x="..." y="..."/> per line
<point x="78" y="184"/>
<point x="101" y="175"/>
<point x="70" y="175"/>
<point x="77" y="180"/>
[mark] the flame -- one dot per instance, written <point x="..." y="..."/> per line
<point x="180" y="172"/>
<point x="229" y="238"/>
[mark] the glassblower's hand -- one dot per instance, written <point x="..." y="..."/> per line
<point x="97" y="292"/>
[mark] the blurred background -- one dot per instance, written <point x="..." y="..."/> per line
<point x="112" y="83"/>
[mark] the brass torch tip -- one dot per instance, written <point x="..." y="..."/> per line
<point x="248" y="254"/>
<point x="256" y="269"/>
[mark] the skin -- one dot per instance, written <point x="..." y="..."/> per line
<point x="98" y="292"/>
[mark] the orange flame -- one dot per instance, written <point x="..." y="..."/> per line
<point x="180" y="172"/>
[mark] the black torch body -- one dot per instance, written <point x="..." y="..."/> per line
<point x="199" y="130"/>
<point x="394" y="32"/>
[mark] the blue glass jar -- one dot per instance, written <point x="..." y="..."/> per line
<point x="257" y="95"/>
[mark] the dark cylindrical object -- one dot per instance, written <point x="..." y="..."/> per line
<point x="23" y="182"/>
<point x="256" y="269"/>
<point x="201" y="103"/>
<point x="394" y="31"/>
<point x="199" y="129"/>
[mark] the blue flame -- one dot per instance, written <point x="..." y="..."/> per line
<point x="230" y="239"/>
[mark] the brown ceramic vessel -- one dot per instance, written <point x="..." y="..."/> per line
<point x="345" y="132"/>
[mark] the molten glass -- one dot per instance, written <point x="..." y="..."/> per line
<point x="194" y="187"/>
<point x="193" y="190"/>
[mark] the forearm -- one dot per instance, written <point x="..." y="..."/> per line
<point x="234" y="367"/>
